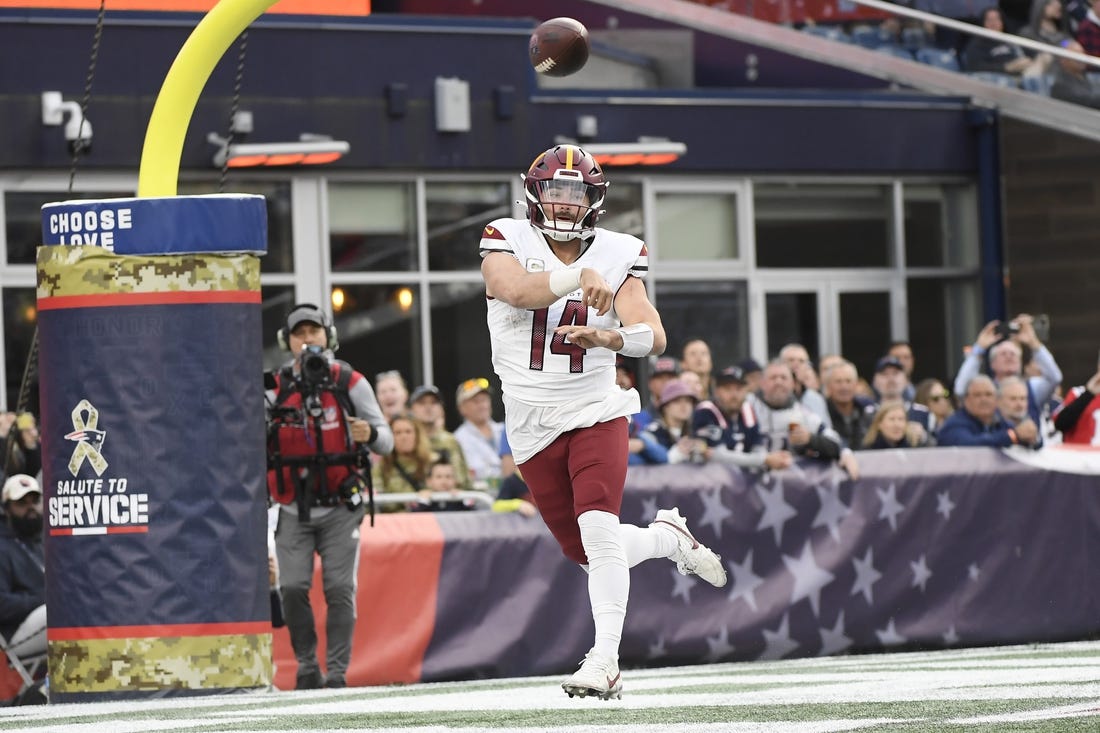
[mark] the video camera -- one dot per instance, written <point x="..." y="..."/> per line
<point x="314" y="375"/>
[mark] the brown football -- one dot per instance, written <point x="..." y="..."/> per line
<point x="559" y="47"/>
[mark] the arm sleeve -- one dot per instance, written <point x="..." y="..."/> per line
<point x="969" y="369"/>
<point x="1050" y="376"/>
<point x="1072" y="409"/>
<point x="653" y="452"/>
<point x="367" y="408"/>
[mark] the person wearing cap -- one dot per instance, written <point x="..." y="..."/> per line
<point x="903" y="352"/>
<point x="22" y="568"/>
<point x="890" y="384"/>
<point x="753" y="373"/>
<point x="662" y="370"/>
<point x="426" y="405"/>
<point x="321" y="508"/>
<point x="786" y="424"/>
<point x="667" y="439"/>
<point x="728" y="428"/>
<point x="479" y="435"/>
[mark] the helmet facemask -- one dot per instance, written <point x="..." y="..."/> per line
<point x="565" y="204"/>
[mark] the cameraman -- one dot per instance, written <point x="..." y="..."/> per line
<point x="323" y="415"/>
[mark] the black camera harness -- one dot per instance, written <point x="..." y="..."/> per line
<point x="355" y="457"/>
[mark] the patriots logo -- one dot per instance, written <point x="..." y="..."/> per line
<point x="94" y="438"/>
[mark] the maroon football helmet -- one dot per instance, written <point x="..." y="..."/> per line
<point x="565" y="189"/>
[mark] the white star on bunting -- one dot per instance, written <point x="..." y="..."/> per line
<point x="714" y="512"/>
<point x="944" y="505"/>
<point x="974" y="571"/>
<point x="682" y="585"/>
<point x="890" y="636"/>
<point x="778" y="643"/>
<point x="657" y="649"/>
<point x="719" y="647"/>
<point x="866" y="576"/>
<point x="891" y="508"/>
<point x="809" y="578"/>
<point x="921" y="573"/>
<point x="951" y="637"/>
<point x="832" y="511"/>
<point x="745" y="581"/>
<point x="649" y="509"/>
<point x="833" y="641"/>
<point x="776" y="510"/>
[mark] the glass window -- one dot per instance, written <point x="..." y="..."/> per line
<point x="818" y="225"/>
<point x="280" y="225"/>
<point x="456" y="213"/>
<point x="379" y="329"/>
<point x="372" y="226"/>
<point x="623" y="209"/>
<point x="276" y="302"/>
<point x="460" y="344"/>
<point x="697" y="226"/>
<point x="792" y="318"/>
<point x="944" y="318"/>
<point x="941" y="226"/>
<point x="714" y="311"/>
<point x="23" y="218"/>
<point x="864" y="328"/>
<point x="20" y="320"/>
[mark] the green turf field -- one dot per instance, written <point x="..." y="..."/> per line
<point x="1048" y="687"/>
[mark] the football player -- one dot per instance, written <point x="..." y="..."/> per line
<point x="564" y="298"/>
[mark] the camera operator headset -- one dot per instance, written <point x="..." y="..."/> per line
<point x="322" y="414"/>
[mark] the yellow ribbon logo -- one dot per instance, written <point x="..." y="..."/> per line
<point x="88" y="439"/>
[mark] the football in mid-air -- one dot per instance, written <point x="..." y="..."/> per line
<point x="559" y="47"/>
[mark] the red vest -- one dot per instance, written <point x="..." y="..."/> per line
<point x="295" y="440"/>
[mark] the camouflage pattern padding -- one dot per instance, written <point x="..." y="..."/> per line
<point x="76" y="270"/>
<point x="231" y="661"/>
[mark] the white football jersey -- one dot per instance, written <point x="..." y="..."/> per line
<point x="542" y="370"/>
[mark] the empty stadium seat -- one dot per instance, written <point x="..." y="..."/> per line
<point x="939" y="57"/>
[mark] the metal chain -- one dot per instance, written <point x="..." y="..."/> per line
<point x="30" y="369"/>
<point x="233" y="108"/>
<point x="78" y="146"/>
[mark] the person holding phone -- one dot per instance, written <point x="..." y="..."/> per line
<point x="1002" y="345"/>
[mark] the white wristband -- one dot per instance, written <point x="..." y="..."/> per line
<point x="564" y="282"/>
<point x="637" y="339"/>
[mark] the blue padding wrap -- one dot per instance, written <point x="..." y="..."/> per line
<point x="172" y="225"/>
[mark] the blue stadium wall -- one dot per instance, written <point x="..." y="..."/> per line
<point x="331" y="77"/>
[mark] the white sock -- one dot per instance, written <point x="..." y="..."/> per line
<point x="608" y="578"/>
<point x="646" y="543"/>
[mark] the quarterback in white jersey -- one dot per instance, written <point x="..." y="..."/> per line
<point x="563" y="297"/>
